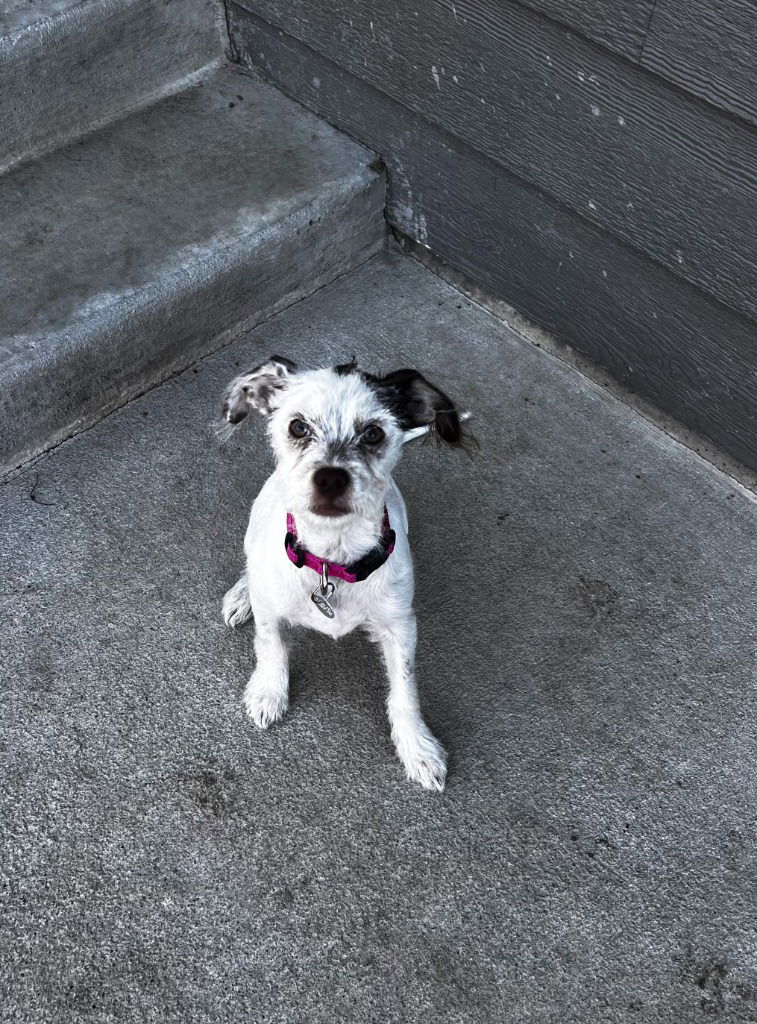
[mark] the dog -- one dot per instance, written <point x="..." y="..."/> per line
<point x="327" y="546"/>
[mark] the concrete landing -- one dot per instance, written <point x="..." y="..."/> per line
<point x="127" y="254"/>
<point x="587" y="603"/>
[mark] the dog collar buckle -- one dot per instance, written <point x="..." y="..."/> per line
<point x="322" y="593"/>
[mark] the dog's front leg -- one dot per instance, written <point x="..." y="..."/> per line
<point x="266" y="696"/>
<point x="420" y="752"/>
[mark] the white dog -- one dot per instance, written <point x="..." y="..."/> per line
<point x="327" y="544"/>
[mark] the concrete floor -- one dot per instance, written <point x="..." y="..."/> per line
<point x="587" y="605"/>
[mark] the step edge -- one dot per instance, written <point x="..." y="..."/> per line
<point x="62" y="141"/>
<point x="20" y="459"/>
<point x="75" y="20"/>
<point x="181" y="275"/>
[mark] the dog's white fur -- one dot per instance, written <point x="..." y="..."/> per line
<point x="337" y="408"/>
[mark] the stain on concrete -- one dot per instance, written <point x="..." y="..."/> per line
<point x="710" y="978"/>
<point x="598" y="597"/>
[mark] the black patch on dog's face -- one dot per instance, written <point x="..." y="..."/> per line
<point x="369" y="450"/>
<point x="337" y="450"/>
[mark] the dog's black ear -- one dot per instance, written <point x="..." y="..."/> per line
<point x="257" y="389"/>
<point x="416" y="402"/>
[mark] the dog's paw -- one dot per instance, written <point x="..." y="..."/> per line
<point x="422" y="755"/>
<point x="264" y="704"/>
<point x="236" y="604"/>
<point x="430" y="771"/>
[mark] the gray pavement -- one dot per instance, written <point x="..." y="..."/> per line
<point x="587" y="607"/>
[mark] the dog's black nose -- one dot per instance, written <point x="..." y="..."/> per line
<point x="330" y="481"/>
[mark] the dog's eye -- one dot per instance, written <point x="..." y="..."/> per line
<point x="299" y="429"/>
<point x="373" y="434"/>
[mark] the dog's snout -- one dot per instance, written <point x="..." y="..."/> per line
<point x="331" y="482"/>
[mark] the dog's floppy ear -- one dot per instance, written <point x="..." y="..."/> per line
<point x="257" y="389"/>
<point x="416" y="402"/>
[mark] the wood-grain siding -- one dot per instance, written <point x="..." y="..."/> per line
<point x="668" y="174"/>
<point x="619" y="25"/>
<point x="663" y="337"/>
<point x="709" y="48"/>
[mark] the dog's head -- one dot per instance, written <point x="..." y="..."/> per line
<point x="338" y="433"/>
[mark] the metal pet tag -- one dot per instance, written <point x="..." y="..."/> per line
<point x="320" y="600"/>
<point x="322" y="593"/>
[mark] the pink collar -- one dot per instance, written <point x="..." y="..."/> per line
<point x="352" y="573"/>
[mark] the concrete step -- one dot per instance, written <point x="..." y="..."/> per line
<point x="587" y="598"/>
<point x="129" y="253"/>
<point x="68" y="65"/>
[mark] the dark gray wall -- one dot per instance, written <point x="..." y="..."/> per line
<point x="593" y="162"/>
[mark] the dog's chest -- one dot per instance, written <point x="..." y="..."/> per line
<point x="349" y="605"/>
